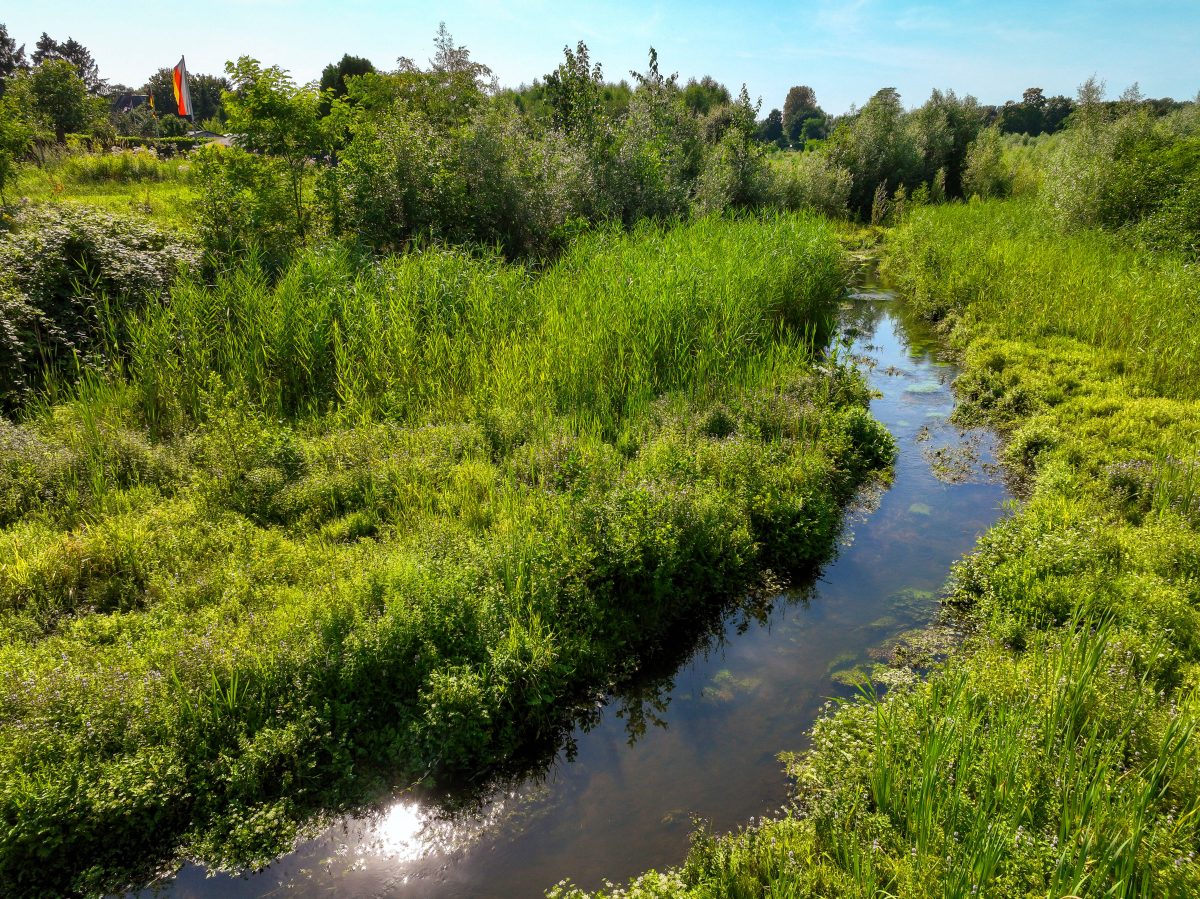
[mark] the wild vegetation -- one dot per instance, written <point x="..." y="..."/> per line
<point x="394" y="517"/>
<point x="376" y="446"/>
<point x="1055" y="753"/>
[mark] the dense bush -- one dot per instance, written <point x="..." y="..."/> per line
<point x="986" y="174"/>
<point x="64" y="272"/>
<point x="811" y="181"/>
<point x="428" y="155"/>
<point x="1135" y="173"/>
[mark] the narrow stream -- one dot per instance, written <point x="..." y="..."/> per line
<point x="706" y="745"/>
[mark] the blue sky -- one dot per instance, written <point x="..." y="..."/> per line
<point x="845" y="50"/>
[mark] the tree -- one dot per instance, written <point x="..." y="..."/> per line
<point x="16" y="135"/>
<point x="942" y="129"/>
<point x="171" y="125"/>
<point x="705" y="95"/>
<point x="877" y="149"/>
<point x="12" y="58"/>
<point x="274" y="116"/>
<point x="573" y="92"/>
<point x="448" y="93"/>
<point x="158" y="88"/>
<point x="76" y="54"/>
<point x="654" y="80"/>
<point x="1034" y="98"/>
<point x="59" y="96"/>
<point x="770" y="129"/>
<point x="1090" y="113"/>
<point x="1058" y="110"/>
<point x="81" y="58"/>
<point x="799" y="105"/>
<point x="137" y="122"/>
<point x="207" y="93"/>
<point x="333" y="78"/>
<point x="984" y="172"/>
<point x="46" y="48"/>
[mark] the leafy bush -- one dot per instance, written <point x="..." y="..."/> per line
<point x="66" y="272"/>
<point x="1135" y="173"/>
<point x="245" y="209"/>
<point x="811" y="181"/>
<point x="986" y="174"/>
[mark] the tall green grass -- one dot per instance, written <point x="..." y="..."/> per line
<point x="127" y="181"/>
<point x="615" y="323"/>
<point x="1010" y="272"/>
<point x="1055" y="754"/>
<point x="379" y="522"/>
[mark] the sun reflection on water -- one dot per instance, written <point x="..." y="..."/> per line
<point x="401" y="833"/>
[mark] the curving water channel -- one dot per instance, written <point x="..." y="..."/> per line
<point x="704" y="741"/>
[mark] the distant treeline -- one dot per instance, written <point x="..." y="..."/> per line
<point x="439" y="152"/>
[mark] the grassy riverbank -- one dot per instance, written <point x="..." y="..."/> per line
<point x="382" y="521"/>
<point x="1055" y="754"/>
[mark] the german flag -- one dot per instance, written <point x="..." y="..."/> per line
<point x="183" y="96"/>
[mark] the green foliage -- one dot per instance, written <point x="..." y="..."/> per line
<point x="62" y="270"/>
<point x="985" y="174"/>
<point x="705" y="95"/>
<point x="811" y="181"/>
<point x="413" y="169"/>
<point x="876" y="148"/>
<point x="12" y="58"/>
<point x="334" y="75"/>
<point x="395" y="518"/>
<point x="245" y="208"/>
<point x="59" y="96"/>
<point x="1035" y="114"/>
<point x="735" y="174"/>
<point x="16" y="138"/>
<point x="802" y="119"/>
<point x="770" y="129"/>
<point x="75" y="54"/>
<point x="943" y="130"/>
<point x="172" y="126"/>
<point x="273" y="116"/>
<point x="119" y="166"/>
<point x="1134" y="173"/>
<point x="207" y="92"/>
<point x="572" y="91"/>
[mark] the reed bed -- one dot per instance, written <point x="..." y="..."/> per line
<point x="1015" y="274"/>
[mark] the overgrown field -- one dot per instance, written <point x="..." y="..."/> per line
<point x="130" y="181"/>
<point x="1056" y="754"/>
<point x="276" y="544"/>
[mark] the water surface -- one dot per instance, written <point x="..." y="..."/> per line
<point x="706" y="743"/>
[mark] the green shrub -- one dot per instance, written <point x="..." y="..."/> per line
<point x="245" y="209"/>
<point x="65" y="272"/>
<point x="811" y="181"/>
